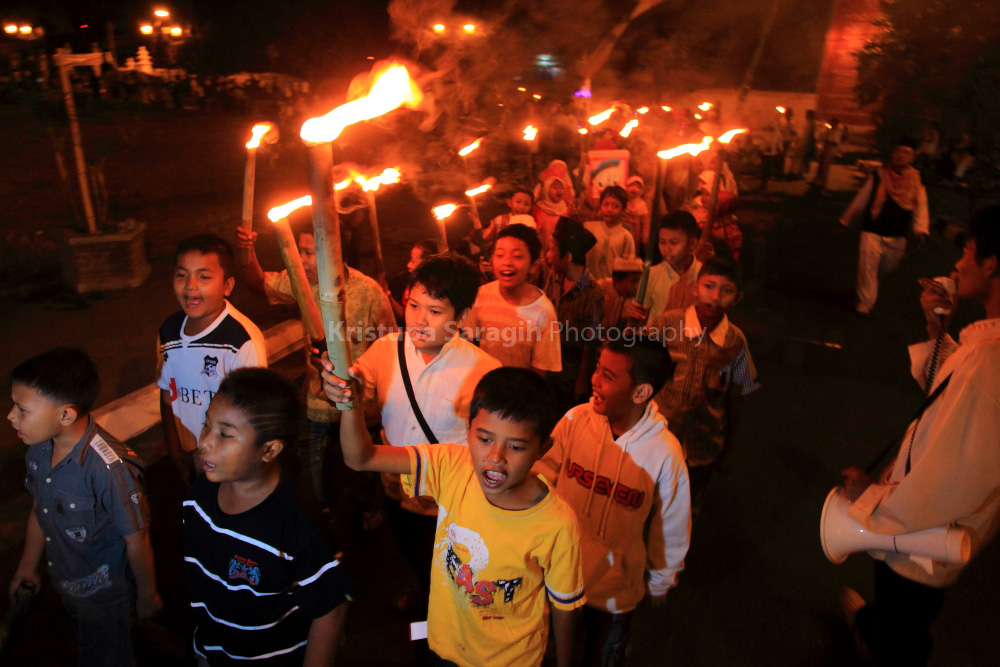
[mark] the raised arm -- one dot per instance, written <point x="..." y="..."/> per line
<point x="252" y="274"/>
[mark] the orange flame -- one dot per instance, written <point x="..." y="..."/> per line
<point x="530" y="132"/>
<point x="666" y="108"/>
<point x="642" y="110"/>
<point x="728" y="136"/>
<point x="343" y="184"/>
<point x="690" y="149"/>
<point x="597" y="119"/>
<point x="257" y="133"/>
<point x="705" y="106"/>
<point x="522" y="89"/>
<point x="780" y="109"/>
<point x="629" y="126"/>
<point x="285" y="210"/>
<point x="478" y="191"/>
<point x="471" y="147"/>
<point x="387" y="177"/>
<point x="444" y="211"/>
<point x="392" y="89"/>
<point x="582" y="130"/>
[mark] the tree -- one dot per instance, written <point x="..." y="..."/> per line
<point x="935" y="59"/>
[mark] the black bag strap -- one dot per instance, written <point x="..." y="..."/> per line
<point x="428" y="433"/>
<point x="920" y="413"/>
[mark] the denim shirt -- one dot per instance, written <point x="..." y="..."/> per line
<point x="85" y="505"/>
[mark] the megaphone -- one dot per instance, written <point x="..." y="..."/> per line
<point x="841" y="536"/>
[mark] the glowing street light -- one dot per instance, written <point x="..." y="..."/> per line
<point x="10" y="29"/>
<point x="146" y="29"/>
<point x="25" y="29"/>
<point x="176" y="32"/>
<point x="162" y="13"/>
<point x="469" y="28"/>
<point x="642" y="110"/>
<point x="438" y="28"/>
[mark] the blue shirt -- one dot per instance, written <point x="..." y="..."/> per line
<point x="85" y="506"/>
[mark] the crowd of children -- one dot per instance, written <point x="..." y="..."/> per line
<point x="534" y="436"/>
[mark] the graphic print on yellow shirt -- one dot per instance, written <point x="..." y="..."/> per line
<point x="495" y="572"/>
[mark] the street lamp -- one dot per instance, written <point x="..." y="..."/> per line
<point x="469" y="28"/>
<point x="162" y="13"/>
<point x="439" y="28"/>
<point x="146" y="29"/>
<point x="25" y="29"/>
<point x="10" y="29"/>
<point x="176" y="32"/>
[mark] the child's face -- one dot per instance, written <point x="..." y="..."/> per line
<point x="430" y="321"/>
<point x="502" y="453"/>
<point x="228" y="444"/>
<point x="676" y="247"/>
<point x="511" y="262"/>
<point x="200" y="285"/>
<point x="416" y="256"/>
<point x="714" y="295"/>
<point x="307" y="252"/>
<point x="553" y="259"/>
<point x="556" y="191"/>
<point x="627" y="286"/>
<point x="519" y="203"/>
<point x="634" y="190"/>
<point x="611" y="211"/>
<point x="612" y="384"/>
<point x="36" y="418"/>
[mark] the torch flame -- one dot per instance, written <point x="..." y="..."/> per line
<point x="582" y="130"/>
<point x="780" y="109"/>
<point x="471" y="147"/>
<point x="257" y="133"/>
<point x="478" y="191"/>
<point x="392" y="89"/>
<point x="666" y="108"/>
<point x="690" y="149"/>
<point x="443" y="211"/>
<point x="601" y="117"/>
<point x="387" y="177"/>
<point x="627" y="130"/>
<point x="343" y="184"/>
<point x="728" y="136"/>
<point x="705" y="106"/>
<point x="642" y="110"/>
<point x="530" y="132"/>
<point x="285" y="210"/>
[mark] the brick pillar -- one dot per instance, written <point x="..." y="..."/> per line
<point x="850" y="28"/>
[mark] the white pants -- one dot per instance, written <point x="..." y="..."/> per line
<point x="879" y="255"/>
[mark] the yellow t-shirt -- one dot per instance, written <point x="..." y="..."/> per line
<point x="494" y="571"/>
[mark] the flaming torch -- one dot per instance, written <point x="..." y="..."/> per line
<point x="296" y="272"/>
<point x="706" y="234"/>
<point x="256" y="134"/>
<point x="390" y="90"/>
<point x="371" y="186"/>
<point x="442" y="213"/>
<point x="597" y="119"/>
<point x="530" y="132"/>
<point x="654" y="218"/>
<point x="629" y="126"/>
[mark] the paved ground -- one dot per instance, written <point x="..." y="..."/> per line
<point x="757" y="589"/>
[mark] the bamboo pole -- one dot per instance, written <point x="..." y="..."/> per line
<point x="311" y="319"/>
<point x="654" y="229"/>
<point x="329" y="262"/>
<point x="373" y="218"/>
<point x="248" y="182"/>
<point x="74" y="127"/>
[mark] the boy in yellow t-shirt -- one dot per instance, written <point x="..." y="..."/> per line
<point x="507" y="548"/>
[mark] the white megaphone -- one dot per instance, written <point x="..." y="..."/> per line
<point x="841" y="536"/>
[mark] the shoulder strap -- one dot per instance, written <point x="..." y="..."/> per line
<point x="428" y="433"/>
<point x="920" y="413"/>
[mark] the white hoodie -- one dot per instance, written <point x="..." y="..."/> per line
<point x="614" y="487"/>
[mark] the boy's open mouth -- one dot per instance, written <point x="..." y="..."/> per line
<point x="493" y="478"/>
<point x="507" y="274"/>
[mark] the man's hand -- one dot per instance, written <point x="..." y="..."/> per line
<point x="934" y="296"/>
<point x="30" y="576"/>
<point x="335" y="388"/>
<point x="656" y="600"/>
<point x="146" y="606"/>
<point x="855" y="482"/>
<point x="244" y="239"/>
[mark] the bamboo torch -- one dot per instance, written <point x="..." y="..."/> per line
<point x="706" y="234"/>
<point x="689" y="149"/>
<point x="530" y="132"/>
<point x="249" y="172"/>
<point x="371" y="186"/>
<point x="390" y="90"/>
<point x="442" y="213"/>
<point x="477" y="224"/>
<point x="311" y="319"/>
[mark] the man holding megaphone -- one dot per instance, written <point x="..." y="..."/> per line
<point x="947" y="471"/>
